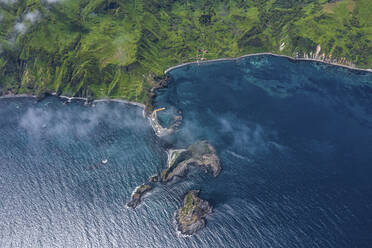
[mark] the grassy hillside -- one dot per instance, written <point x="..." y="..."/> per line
<point x="115" y="48"/>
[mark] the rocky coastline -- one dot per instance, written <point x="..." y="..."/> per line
<point x="321" y="58"/>
<point x="158" y="82"/>
<point x="161" y="131"/>
<point x="158" y="128"/>
<point x="190" y="217"/>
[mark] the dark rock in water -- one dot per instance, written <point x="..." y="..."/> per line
<point x="137" y="195"/>
<point x="154" y="179"/>
<point x="200" y="154"/>
<point x="190" y="218"/>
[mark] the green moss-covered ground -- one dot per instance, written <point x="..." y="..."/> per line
<point x="188" y="204"/>
<point x="115" y="48"/>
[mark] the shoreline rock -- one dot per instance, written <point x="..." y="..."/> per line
<point x="137" y="195"/>
<point x="190" y="218"/>
<point x="154" y="179"/>
<point x="163" y="131"/>
<point x="201" y="154"/>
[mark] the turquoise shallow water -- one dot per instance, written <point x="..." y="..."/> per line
<point x="294" y="138"/>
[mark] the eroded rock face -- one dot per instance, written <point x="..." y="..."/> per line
<point x="137" y="195"/>
<point x="190" y="218"/>
<point x="200" y="154"/>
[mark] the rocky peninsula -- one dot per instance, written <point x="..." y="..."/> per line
<point x="137" y="195"/>
<point x="201" y="154"/>
<point x="190" y="218"/>
<point x="163" y="131"/>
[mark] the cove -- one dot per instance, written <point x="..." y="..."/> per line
<point x="294" y="139"/>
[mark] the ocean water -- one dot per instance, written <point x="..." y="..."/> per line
<point x="294" y="138"/>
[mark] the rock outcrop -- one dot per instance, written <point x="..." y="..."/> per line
<point x="190" y="218"/>
<point x="163" y="131"/>
<point x="137" y="195"/>
<point x="154" y="179"/>
<point x="200" y="154"/>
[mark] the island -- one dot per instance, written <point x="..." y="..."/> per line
<point x="137" y="195"/>
<point x="201" y="154"/>
<point x="190" y="218"/>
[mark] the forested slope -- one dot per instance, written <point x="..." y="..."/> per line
<point x="115" y="48"/>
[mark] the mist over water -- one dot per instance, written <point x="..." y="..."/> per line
<point x="294" y="138"/>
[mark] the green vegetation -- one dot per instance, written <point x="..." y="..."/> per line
<point x="188" y="204"/>
<point x="119" y="48"/>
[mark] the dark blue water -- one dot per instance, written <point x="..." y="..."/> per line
<point x="294" y="138"/>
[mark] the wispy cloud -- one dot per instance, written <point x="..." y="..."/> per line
<point x="20" y="28"/>
<point x="32" y="16"/>
<point x="246" y="136"/>
<point x="228" y="129"/>
<point x="64" y="121"/>
<point x="29" y="19"/>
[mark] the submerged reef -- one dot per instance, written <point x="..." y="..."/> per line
<point x="190" y="218"/>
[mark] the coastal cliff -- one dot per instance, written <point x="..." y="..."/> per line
<point x="190" y="218"/>
<point x="201" y="154"/>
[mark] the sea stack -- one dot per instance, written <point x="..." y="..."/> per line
<point x="190" y="218"/>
